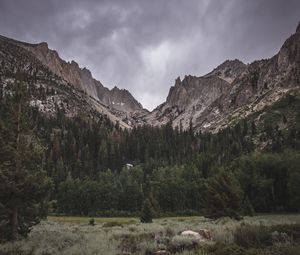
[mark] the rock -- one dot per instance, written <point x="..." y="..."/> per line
<point x="191" y="233"/>
<point x="202" y="234"/>
<point x="194" y="235"/>
<point x="206" y="233"/>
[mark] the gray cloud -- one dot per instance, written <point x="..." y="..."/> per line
<point x="144" y="45"/>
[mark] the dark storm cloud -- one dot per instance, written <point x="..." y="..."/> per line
<point x="144" y="45"/>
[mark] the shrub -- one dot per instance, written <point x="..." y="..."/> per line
<point x="92" y="222"/>
<point x="225" y="249"/>
<point x="252" y="236"/>
<point x="181" y="243"/>
<point x="112" y="224"/>
<point x="292" y="230"/>
<point x="288" y="250"/>
<point x="147" y="212"/>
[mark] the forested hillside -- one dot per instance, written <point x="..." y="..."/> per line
<point x="87" y="162"/>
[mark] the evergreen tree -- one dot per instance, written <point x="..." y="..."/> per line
<point x="23" y="183"/>
<point x="223" y="196"/>
<point x="147" y="212"/>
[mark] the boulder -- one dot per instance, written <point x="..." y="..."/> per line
<point x="202" y="234"/>
<point x="206" y="233"/>
<point x="193" y="234"/>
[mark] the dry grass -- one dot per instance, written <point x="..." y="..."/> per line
<point x="83" y="220"/>
<point x="73" y="235"/>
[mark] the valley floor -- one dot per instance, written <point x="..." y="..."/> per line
<point x="74" y="235"/>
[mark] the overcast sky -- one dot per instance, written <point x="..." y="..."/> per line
<point x="143" y="45"/>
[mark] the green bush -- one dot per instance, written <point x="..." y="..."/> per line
<point x="112" y="224"/>
<point x="92" y="222"/>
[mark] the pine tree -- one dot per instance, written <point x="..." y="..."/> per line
<point x="223" y="196"/>
<point x="147" y="212"/>
<point x="23" y="183"/>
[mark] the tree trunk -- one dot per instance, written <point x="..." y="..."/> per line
<point x="15" y="212"/>
<point x="14" y="224"/>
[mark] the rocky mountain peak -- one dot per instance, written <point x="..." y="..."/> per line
<point x="298" y="28"/>
<point x="177" y="81"/>
<point x="228" y="70"/>
<point x="43" y="45"/>
<point x="195" y="89"/>
<point x="289" y="53"/>
<point x="122" y="99"/>
<point x="86" y="71"/>
<point x="115" y="88"/>
<point x="75" y="64"/>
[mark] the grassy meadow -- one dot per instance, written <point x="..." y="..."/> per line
<point x="111" y="236"/>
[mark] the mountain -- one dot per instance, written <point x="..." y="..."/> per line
<point x="229" y="93"/>
<point x="189" y="98"/>
<point x="232" y="91"/>
<point x="118" y="104"/>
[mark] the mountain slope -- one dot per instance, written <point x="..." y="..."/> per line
<point x="50" y="92"/>
<point x="119" y="102"/>
<point x="232" y="91"/>
<point x="82" y="78"/>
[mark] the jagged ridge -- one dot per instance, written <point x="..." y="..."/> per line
<point x="232" y="91"/>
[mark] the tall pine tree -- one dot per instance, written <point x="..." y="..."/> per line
<point x="23" y="183"/>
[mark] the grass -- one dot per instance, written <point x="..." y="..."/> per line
<point x="112" y="236"/>
<point x="83" y="220"/>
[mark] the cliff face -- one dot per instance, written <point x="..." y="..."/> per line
<point x="231" y="91"/>
<point x="189" y="98"/>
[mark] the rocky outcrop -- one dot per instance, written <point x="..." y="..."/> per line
<point x="121" y="99"/>
<point x="229" y="70"/>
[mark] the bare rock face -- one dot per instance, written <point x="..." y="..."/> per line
<point x="122" y="100"/>
<point x="189" y="98"/>
<point x="231" y="91"/>
<point x="229" y="70"/>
